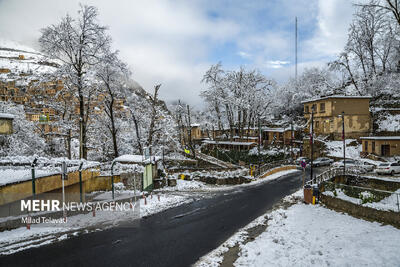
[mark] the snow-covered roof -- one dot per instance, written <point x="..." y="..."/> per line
<point x="336" y="96"/>
<point x="195" y="124"/>
<point x="281" y="130"/>
<point x="229" y="143"/>
<point x="133" y="158"/>
<point x="6" y="116"/>
<point x="381" y="138"/>
<point x="245" y="137"/>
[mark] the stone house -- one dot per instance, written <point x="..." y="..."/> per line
<point x="6" y="123"/>
<point x="386" y="146"/>
<point x="328" y="115"/>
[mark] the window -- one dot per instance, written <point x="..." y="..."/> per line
<point x="322" y="107"/>
<point x="366" y="146"/>
<point x="373" y="146"/>
<point x="306" y="109"/>
<point x="314" y="107"/>
<point x="317" y="124"/>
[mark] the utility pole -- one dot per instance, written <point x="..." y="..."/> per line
<point x="312" y="142"/>
<point x="295" y="60"/>
<point x="259" y="145"/>
<point x="344" y="145"/>
<point x="291" y="139"/>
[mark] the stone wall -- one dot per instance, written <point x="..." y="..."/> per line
<point x="387" y="217"/>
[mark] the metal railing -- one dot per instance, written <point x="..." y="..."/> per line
<point x="334" y="172"/>
<point x="365" y="196"/>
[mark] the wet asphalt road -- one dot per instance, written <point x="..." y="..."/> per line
<point x="175" y="237"/>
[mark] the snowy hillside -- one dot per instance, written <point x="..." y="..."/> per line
<point x="21" y="59"/>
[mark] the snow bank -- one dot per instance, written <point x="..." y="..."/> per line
<point x="307" y="235"/>
<point x="389" y="123"/>
<point x="335" y="149"/>
<point x="389" y="203"/>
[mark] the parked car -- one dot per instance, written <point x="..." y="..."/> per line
<point x="388" y="168"/>
<point x="362" y="166"/>
<point x="367" y="166"/>
<point x="299" y="160"/>
<point x="322" y="162"/>
<point x="349" y="163"/>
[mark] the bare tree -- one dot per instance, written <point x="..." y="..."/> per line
<point x="154" y="102"/>
<point x="391" y="6"/>
<point x="112" y="73"/>
<point x="78" y="44"/>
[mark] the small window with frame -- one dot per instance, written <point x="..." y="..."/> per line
<point x="322" y="107"/>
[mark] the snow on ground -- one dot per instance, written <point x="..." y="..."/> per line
<point x="14" y="45"/>
<point x="32" y="62"/>
<point x="215" y="257"/>
<point x="185" y="185"/>
<point x="335" y="149"/>
<point x="389" y="203"/>
<point x="394" y="178"/>
<point x="389" y="123"/>
<point x="307" y="235"/>
<point x="214" y="174"/>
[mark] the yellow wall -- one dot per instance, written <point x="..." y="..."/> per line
<point x="278" y="169"/>
<point x="12" y="192"/>
<point x="394" y="147"/>
<point x="6" y="126"/>
<point x="357" y="117"/>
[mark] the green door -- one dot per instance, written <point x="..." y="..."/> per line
<point x="148" y="178"/>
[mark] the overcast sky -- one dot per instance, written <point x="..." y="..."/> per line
<point x="174" y="42"/>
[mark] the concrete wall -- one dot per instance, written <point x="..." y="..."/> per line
<point x="279" y="169"/>
<point x="337" y="204"/>
<point x="16" y="191"/>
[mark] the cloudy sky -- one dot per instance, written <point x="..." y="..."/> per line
<point x="174" y="42"/>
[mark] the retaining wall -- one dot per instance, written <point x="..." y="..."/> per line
<point x="279" y="169"/>
<point x="388" y="217"/>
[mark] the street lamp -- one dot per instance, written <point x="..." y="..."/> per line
<point x="311" y="141"/>
<point x="344" y="144"/>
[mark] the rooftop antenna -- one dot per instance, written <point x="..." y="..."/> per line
<point x="295" y="59"/>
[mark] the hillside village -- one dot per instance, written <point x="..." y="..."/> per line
<point x="317" y="156"/>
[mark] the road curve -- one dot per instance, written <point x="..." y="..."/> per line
<point x="175" y="237"/>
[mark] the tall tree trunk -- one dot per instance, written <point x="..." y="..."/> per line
<point x="135" y="122"/>
<point x="113" y="128"/>
<point x="153" y="117"/>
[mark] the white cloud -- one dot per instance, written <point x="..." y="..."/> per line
<point x="170" y="42"/>
<point x="276" y="64"/>
<point x="333" y="20"/>
<point x="163" y="41"/>
<point x="244" y="54"/>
